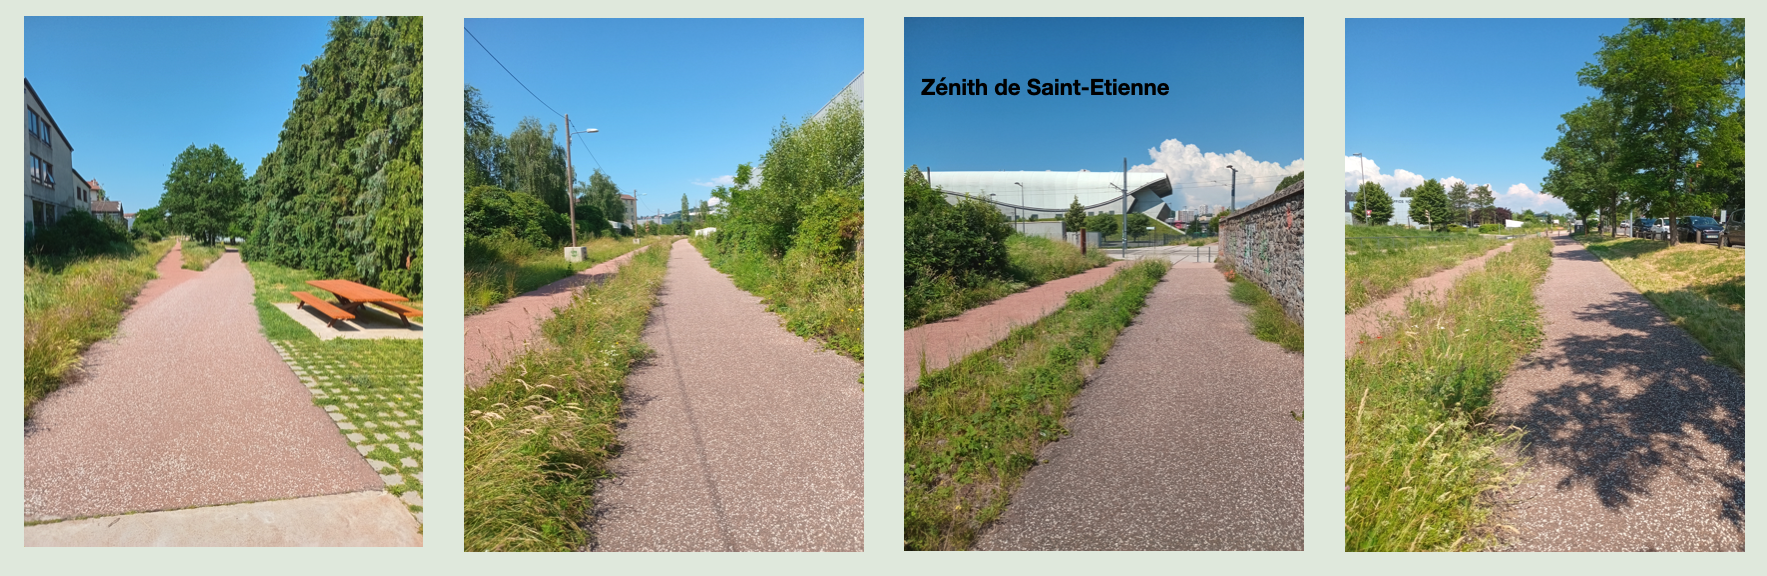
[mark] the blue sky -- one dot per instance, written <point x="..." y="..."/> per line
<point x="1468" y="99"/>
<point x="131" y="93"/>
<point x="679" y="103"/>
<point x="1236" y="98"/>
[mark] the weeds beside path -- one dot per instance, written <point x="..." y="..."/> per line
<point x="71" y="304"/>
<point x="539" y="432"/>
<point x="1378" y="267"/>
<point x="1420" y="447"/>
<point x="498" y="269"/>
<point x="974" y="428"/>
<point x="1633" y="436"/>
<point x="1164" y="456"/>
<point x="198" y="256"/>
<point x="823" y="300"/>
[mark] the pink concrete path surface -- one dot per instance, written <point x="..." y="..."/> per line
<point x="187" y="405"/>
<point x="1634" y="436"/>
<point x="738" y="435"/>
<point x="947" y="341"/>
<point x="497" y="334"/>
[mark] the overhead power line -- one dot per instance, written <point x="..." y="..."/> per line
<point x="542" y="102"/>
<point x="518" y="81"/>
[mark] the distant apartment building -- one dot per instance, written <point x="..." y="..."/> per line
<point x="52" y="187"/>
<point x="631" y="204"/>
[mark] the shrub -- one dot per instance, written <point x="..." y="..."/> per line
<point x="1489" y="228"/>
<point x="959" y="239"/>
<point x="1456" y="229"/>
<point x="79" y="233"/>
<point x="492" y="211"/>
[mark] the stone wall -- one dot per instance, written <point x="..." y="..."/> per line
<point x="1263" y="243"/>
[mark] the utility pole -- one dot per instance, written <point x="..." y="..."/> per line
<point x="570" y="192"/>
<point x="1125" y="250"/>
<point x="1233" y="190"/>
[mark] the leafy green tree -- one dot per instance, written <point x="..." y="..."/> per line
<point x="1429" y="205"/>
<point x="1590" y="170"/>
<point x="1676" y="84"/>
<point x="1104" y="224"/>
<point x="1291" y="179"/>
<point x="803" y="162"/>
<point x="484" y="146"/>
<point x="534" y="163"/>
<point x="1075" y="218"/>
<point x="1408" y="192"/>
<point x="1484" y="202"/>
<point x="1138" y="224"/>
<point x="204" y="192"/>
<point x="1460" y="202"/>
<point x="150" y="223"/>
<point x="604" y="193"/>
<point x="342" y="193"/>
<point x="1373" y="205"/>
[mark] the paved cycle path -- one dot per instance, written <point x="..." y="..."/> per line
<point x="1634" y="440"/>
<point x="187" y="405"/>
<point x="1182" y="440"/>
<point x="738" y="435"/>
<point x="940" y="344"/>
<point x="500" y="332"/>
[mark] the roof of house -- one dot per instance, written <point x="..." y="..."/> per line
<point x="93" y="184"/>
<point x="129" y="215"/>
<point x="107" y="206"/>
<point x="628" y="197"/>
<point x="50" y="117"/>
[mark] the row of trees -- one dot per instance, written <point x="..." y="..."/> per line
<point x="1665" y="137"/>
<point x="530" y="161"/>
<point x="1437" y="207"/>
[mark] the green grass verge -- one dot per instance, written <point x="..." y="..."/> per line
<point x="1421" y="454"/>
<point x="376" y="384"/>
<point x="71" y="303"/>
<point x="1379" y="268"/>
<point x="1699" y="287"/>
<point x="513" y="268"/>
<point x="1030" y="261"/>
<point x="974" y="428"/>
<point x="198" y="256"/>
<point x="540" y="433"/>
<point x="1268" y="321"/>
<point x="816" y="299"/>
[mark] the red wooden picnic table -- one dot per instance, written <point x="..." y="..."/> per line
<point x="351" y="296"/>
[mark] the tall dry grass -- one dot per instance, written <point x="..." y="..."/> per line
<point x="539" y="433"/>
<point x="1421" y="452"/>
<point x="71" y="304"/>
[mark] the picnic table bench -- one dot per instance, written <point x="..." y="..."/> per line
<point x="350" y="298"/>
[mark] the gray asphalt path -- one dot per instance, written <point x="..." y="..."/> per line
<point x="738" y="436"/>
<point x="187" y="405"/>
<point x="1634" y="439"/>
<point x="1169" y="451"/>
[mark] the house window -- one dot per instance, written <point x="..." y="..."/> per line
<point x="36" y="126"/>
<point x="42" y="172"/>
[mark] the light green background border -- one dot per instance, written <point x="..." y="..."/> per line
<point x="883" y="518"/>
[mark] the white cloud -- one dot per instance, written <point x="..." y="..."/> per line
<point x="1518" y="197"/>
<point x="1355" y="169"/>
<point x="1203" y="178"/>
<point x="719" y="181"/>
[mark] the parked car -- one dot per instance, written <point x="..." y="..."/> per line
<point x="1653" y="228"/>
<point x="1732" y="235"/>
<point x="1641" y="228"/>
<point x="1698" y="229"/>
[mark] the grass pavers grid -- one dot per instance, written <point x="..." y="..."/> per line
<point x="373" y="391"/>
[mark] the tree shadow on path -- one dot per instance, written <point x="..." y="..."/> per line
<point x="1641" y="404"/>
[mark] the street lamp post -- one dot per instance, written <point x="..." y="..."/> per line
<point x="1021" y="202"/>
<point x="1361" y="177"/>
<point x="570" y="187"/>
<point x="1233" y="190"/>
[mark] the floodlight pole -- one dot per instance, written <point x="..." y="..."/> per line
<point x="1233" y="190"/>
<point x="1021" y="202"/>
<point x="1125" y="250"/>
